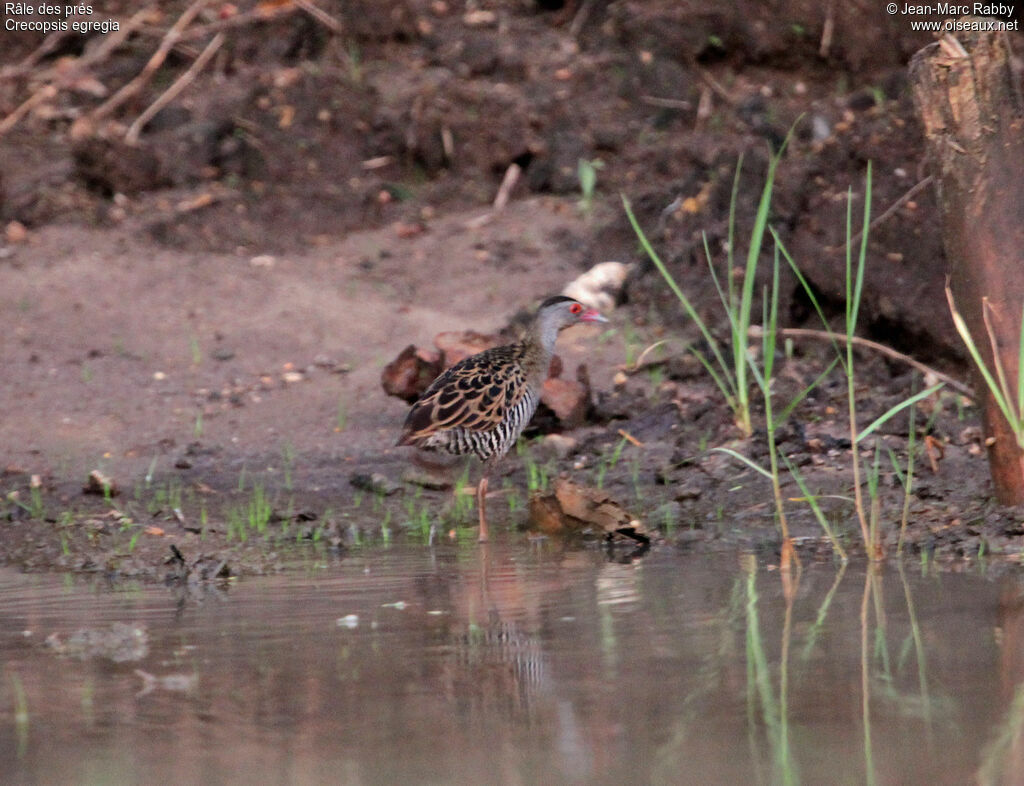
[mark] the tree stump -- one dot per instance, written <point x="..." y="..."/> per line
<point x="970" y="104"/>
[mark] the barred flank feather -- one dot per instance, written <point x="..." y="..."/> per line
<point x="482" y="404"/>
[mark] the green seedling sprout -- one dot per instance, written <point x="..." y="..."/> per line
<point x="1010" y="402"/>
<point x="587" y="173"/>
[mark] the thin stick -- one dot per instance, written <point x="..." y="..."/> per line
<point x="647" y="351"/>
<point x="756" y="331"/>
<point x="44" y="93"/>
<point x="581" y="18"/>
<point x="49" y="90"/>
<point x="716" y="86"/>
<point x="630" y="438"/>
<point x="262" y="14"/>
<point x="892" y="209"/>
<point x="997" y="359"/>
<point x="666" y="103"/>
<point x="508" y="182"/>
<point x="321" y="16"/>
<point x="110" y="42"/>
<point x="25" y="66"/>
<point x="828" y="29"/>
<point x="166" y="44"/>
<point x="175" y="89"/>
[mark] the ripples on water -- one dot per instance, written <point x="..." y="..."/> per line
<point x="513" y="664"/>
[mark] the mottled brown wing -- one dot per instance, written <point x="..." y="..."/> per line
<point x="475" y="394"/>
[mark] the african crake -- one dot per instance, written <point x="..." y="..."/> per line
<point x="482" y="404"/>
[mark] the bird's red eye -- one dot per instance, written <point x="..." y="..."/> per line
<point x="576" y="308"/>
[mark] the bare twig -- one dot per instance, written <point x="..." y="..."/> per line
<point x="630" y="438"/>
<point x="321" y="16"/>
<point x="639" y="364"/>
<point x="44" y="93"/>
<point x="704" y="105"/>
<point x="171" y="37"/>
<point x="261" y="14"/>
<point x="828" y="29"/>
<point x="936" y="452"/>
<point x="175" y="89"/>
<point x="26" y="65"/>
<point x="911" y="192"/>
<point x="581" y="18"/>
<point x="666" y="103"/>
<point x="108" y="44"/>
<point x="508" y="182"/>
<point x="756" y="331"/>
<point x="716" y="86"/>
<point x="113" y="40"/>
<point x="49" y="91"/>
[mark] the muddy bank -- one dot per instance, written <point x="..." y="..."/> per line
<point x="205" y="320"/>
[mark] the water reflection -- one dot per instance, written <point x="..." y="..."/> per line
<point x="520" y="664"/>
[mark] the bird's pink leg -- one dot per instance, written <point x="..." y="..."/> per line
<point x="481" y="504"/>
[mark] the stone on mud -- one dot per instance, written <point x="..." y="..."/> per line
<point x="567" y="399"/>
<point x="600" y="286"/>
<point x="574" y="509"/>
<point x="375" y="483"/>
<point x="409" y="374"/>
<point x="456" y="345"/>
<point x="98" y="483"/>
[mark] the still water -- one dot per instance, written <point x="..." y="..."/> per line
<point x="516" y="664"/>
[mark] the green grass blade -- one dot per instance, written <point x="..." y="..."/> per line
<point x="742" y="321"/>
<point x="771" y="319"/>
<point x="732" y="234"/>
<point x="862" y="255"/>
<point x="997" y="360"/>
<point x="725" y="381"/>
<point x="815" y="508"/>
<point x="896" y="467"/>
<point x="899" y="407"/>
<point x="1020" y="369"/>
<point x="726" y="298"/>
<point x="979" y="361"/>
<point x="809" y="291"/>
<point x="745" y="460"/>
<point x="806" y="391"/>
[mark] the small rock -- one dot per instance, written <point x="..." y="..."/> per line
<point x="480" y="18"/>
<point x="558" y="445"/>
<point x="862" y="100"/>
<point x="578" y="509"/>
<point x="98" y="483"/>
<point x="456" y="345"/>
<point x="567" y="399"/>
<point x="405" y="229"/>
<point x="600" y="286"/>
<point x="688" y="490"/>
<point x="427" y="479"/>
<point x="16" y="232"/>
<point x="820" y="128"/>
<point x="175" y="683"/>
<point x="375" y="483"/>
<point x="409" y="374"/>
<point x="120" y="643"/>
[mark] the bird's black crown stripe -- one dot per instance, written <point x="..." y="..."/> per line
<point x="557" y="299"/>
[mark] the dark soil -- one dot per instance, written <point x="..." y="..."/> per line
<point x="203" y="317"/>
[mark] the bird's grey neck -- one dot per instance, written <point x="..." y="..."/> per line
<point x="541" y="343"/>
<point x="546" y="336"/>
